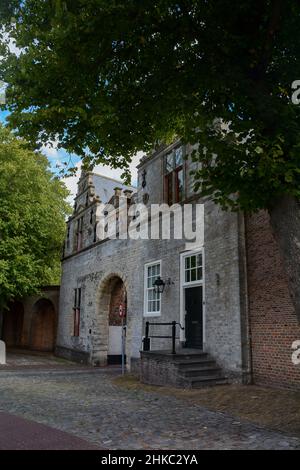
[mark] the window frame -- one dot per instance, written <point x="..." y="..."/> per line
<point x="147" y="289"/>
<point x="172" y="177"/>
<point x="185" y="285"/>
<point x="184" y="270"/>
<point x="77" y="312"/>
<point x="79" y="234"/>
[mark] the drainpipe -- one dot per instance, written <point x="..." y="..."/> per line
<point x="246" y="333"/>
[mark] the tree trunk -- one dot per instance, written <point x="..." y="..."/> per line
<point x="1" y="321"/>
<point x="285" y="221"/>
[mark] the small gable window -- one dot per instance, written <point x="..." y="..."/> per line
<point x="79" y="234"/>
<point x="174" y="176"/>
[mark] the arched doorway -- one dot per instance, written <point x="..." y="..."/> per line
<point x="13" y="325"/>
<point x="111" y="311"/>
<point x="42" y="333"/>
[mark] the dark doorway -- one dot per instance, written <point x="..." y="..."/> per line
<point x="13" y="325"/>
<point x="42" y="334"/>
<point x="118" y="304"/>
<point x="194" y="317"/>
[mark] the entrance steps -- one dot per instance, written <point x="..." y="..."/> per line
<point x="198" y="369"/>
<point x="188" y="368"/>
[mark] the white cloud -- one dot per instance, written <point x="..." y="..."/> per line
<point x="50" y="151"/>
<point x="11" y="43"/>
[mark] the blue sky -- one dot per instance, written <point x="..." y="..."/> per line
<point x="56" y="158"/>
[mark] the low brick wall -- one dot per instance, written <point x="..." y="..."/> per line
<point x="159" y="369"/>
<point x="72" y="355"/>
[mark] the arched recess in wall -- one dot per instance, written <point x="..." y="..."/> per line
<point x="107" y="348"/>
<point x="12" y="329"/>
<point x="43" y="326"/>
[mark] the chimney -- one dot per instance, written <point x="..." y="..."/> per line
<point x="118" y="192"/>
<point x="128" y="193"/>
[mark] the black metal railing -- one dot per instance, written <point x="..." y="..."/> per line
<point x="147" y="338"/>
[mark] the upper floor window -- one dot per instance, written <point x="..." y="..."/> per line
<point x="79" y="234"/>
<point x="95" y="232"/>
<point x="76" y="311"/>
<point x="68" y="236"/>
<point x="174" y="176"/>
<point x="152" y="298"/>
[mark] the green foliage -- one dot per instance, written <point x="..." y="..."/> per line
<point x="109" y="78"/>
<point x="32" y="220"/>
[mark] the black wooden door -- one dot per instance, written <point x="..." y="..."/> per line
<point x="194" y="317"/>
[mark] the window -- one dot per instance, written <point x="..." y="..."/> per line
<point x="174" y="176"/>
<point x="95" y="232"/>
<point x="79" y="232"/>
<point x="193" y="268"/>
<point x="68" y="236"/>
<point x="152" y="299"/>
<point x="76" y="311"/>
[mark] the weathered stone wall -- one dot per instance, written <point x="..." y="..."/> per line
<point x="92" y="268"/>
<point x="273" y="322"/>
<point x="28" y="322"/>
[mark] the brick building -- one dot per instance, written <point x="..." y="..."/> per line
<point x="227" y="289"/>
<point x="273" y="323"/>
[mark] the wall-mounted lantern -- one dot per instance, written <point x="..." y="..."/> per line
<point x="159" y="285"/>
<point x="144" y="182"/>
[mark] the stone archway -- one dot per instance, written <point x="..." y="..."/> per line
<point x="43" y="325"/>
<point x="13" y="321"/>
<point x="107" y="337"/>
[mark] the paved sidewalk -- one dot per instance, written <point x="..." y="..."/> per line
<point x="23" y="360"/>
<point x="93" y="407"/>
<point x="20" y="434"/>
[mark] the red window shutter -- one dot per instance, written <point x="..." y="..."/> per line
<point x="76" y="321"/>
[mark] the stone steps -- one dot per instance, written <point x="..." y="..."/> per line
<point x="199" y="370"/>
<point x="190" y="357"/>
<point x="202" y="371"/>
<point x="183" y="365"/>
<point x="187" y="368"/>
<point x="208" y="382"/>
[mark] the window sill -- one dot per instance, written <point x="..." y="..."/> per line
<point x="151" y="315"/>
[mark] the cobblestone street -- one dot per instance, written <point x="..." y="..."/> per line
<point x="87" y="404"/>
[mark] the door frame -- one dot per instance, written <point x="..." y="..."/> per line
<point x="185" y="285"/>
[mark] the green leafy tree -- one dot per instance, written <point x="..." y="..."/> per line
<point x="109" y="78"/>
<point x="32" y="220"/>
